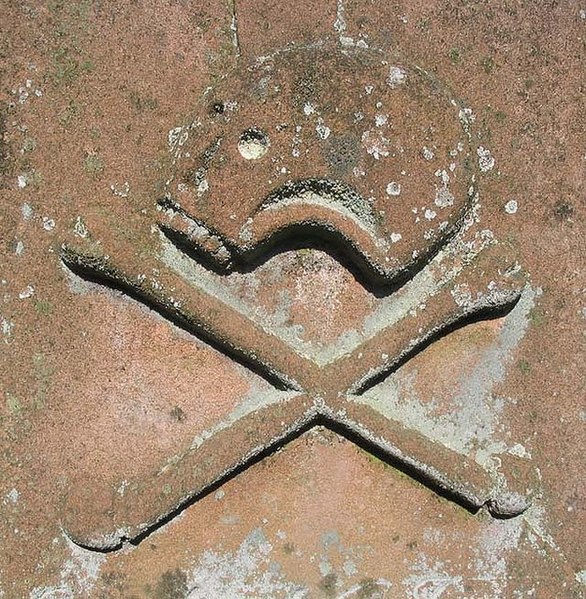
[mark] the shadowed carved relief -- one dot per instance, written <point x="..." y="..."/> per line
<point x="354" y="153"/>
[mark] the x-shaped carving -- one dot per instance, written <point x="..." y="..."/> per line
<point x="330" y="393"/>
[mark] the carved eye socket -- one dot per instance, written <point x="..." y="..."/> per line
<point x="253" y="144"/>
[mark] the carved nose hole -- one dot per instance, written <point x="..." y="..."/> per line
<point x="253" y="144"/>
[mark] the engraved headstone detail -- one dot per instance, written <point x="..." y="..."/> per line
<point x="365" y="157"/>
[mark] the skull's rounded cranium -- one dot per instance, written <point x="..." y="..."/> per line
<point x="347" y="145"/>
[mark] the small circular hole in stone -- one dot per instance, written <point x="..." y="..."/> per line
<point x="253" y="144"/>
<point x="218" y="107"/>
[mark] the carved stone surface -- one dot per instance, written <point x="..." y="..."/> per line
<point x="292" y="307"/>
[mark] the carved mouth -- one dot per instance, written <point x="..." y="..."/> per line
<point x="334" y="196"/>
<point x="322" y="213"/>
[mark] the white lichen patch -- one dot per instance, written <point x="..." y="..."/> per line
<point x="343" y="561"/>
<point x="26" y="211"/>
<point x="492" y="550"/>
<point x="78" y="574"/>
<point x="120" y="191"/>
<point x="48" y="223"/>
<point x="431" y="581"/>
<point x="80" y="229"/>
<point x="334" y="556"/>
<point x="466" y="117"/>
<point x="520" y="451"/>
<point x="249" y="571"/>
<point x="26" y="91"/>
<point x="381" y="119"/>
<point x="296" y="143"/>
<point x="340" y="22"/>
<point x="427" y="153"/>
<point x="536" y="519"/>
<point x="375" y="144"/>
<point x="394" y="188"/>
<point x="396" y="237"/>
<point x="177" y="138"/>
<point x="27" y="292"/>
<point x="11" y="497"/>
<point x="487" y="573"/>
<point x="462" y="295"/>
<point x="511" y="207"/>
<point x="202" y="187"/>
<point x="396" y="77"/>
<point x="322" y="131"/>
<point x="6" y="326"/>
<point x="31" y="177"/>
<point x="486" y="161"/>
<point x="443" y="197"/>
<point x="443" y="175"/>
<point x="121" y="489"/>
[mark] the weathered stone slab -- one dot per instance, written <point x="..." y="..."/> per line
<point x="293" y="300"/>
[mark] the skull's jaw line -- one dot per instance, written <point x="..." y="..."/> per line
<point x="313" y="213"/>
<point x="310" y="234"/>
<point x="440" y="484"/>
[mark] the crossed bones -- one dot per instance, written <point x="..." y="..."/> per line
<point x="311" y="392"/>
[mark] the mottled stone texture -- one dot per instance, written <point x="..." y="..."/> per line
<point x="305" y="423"/>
